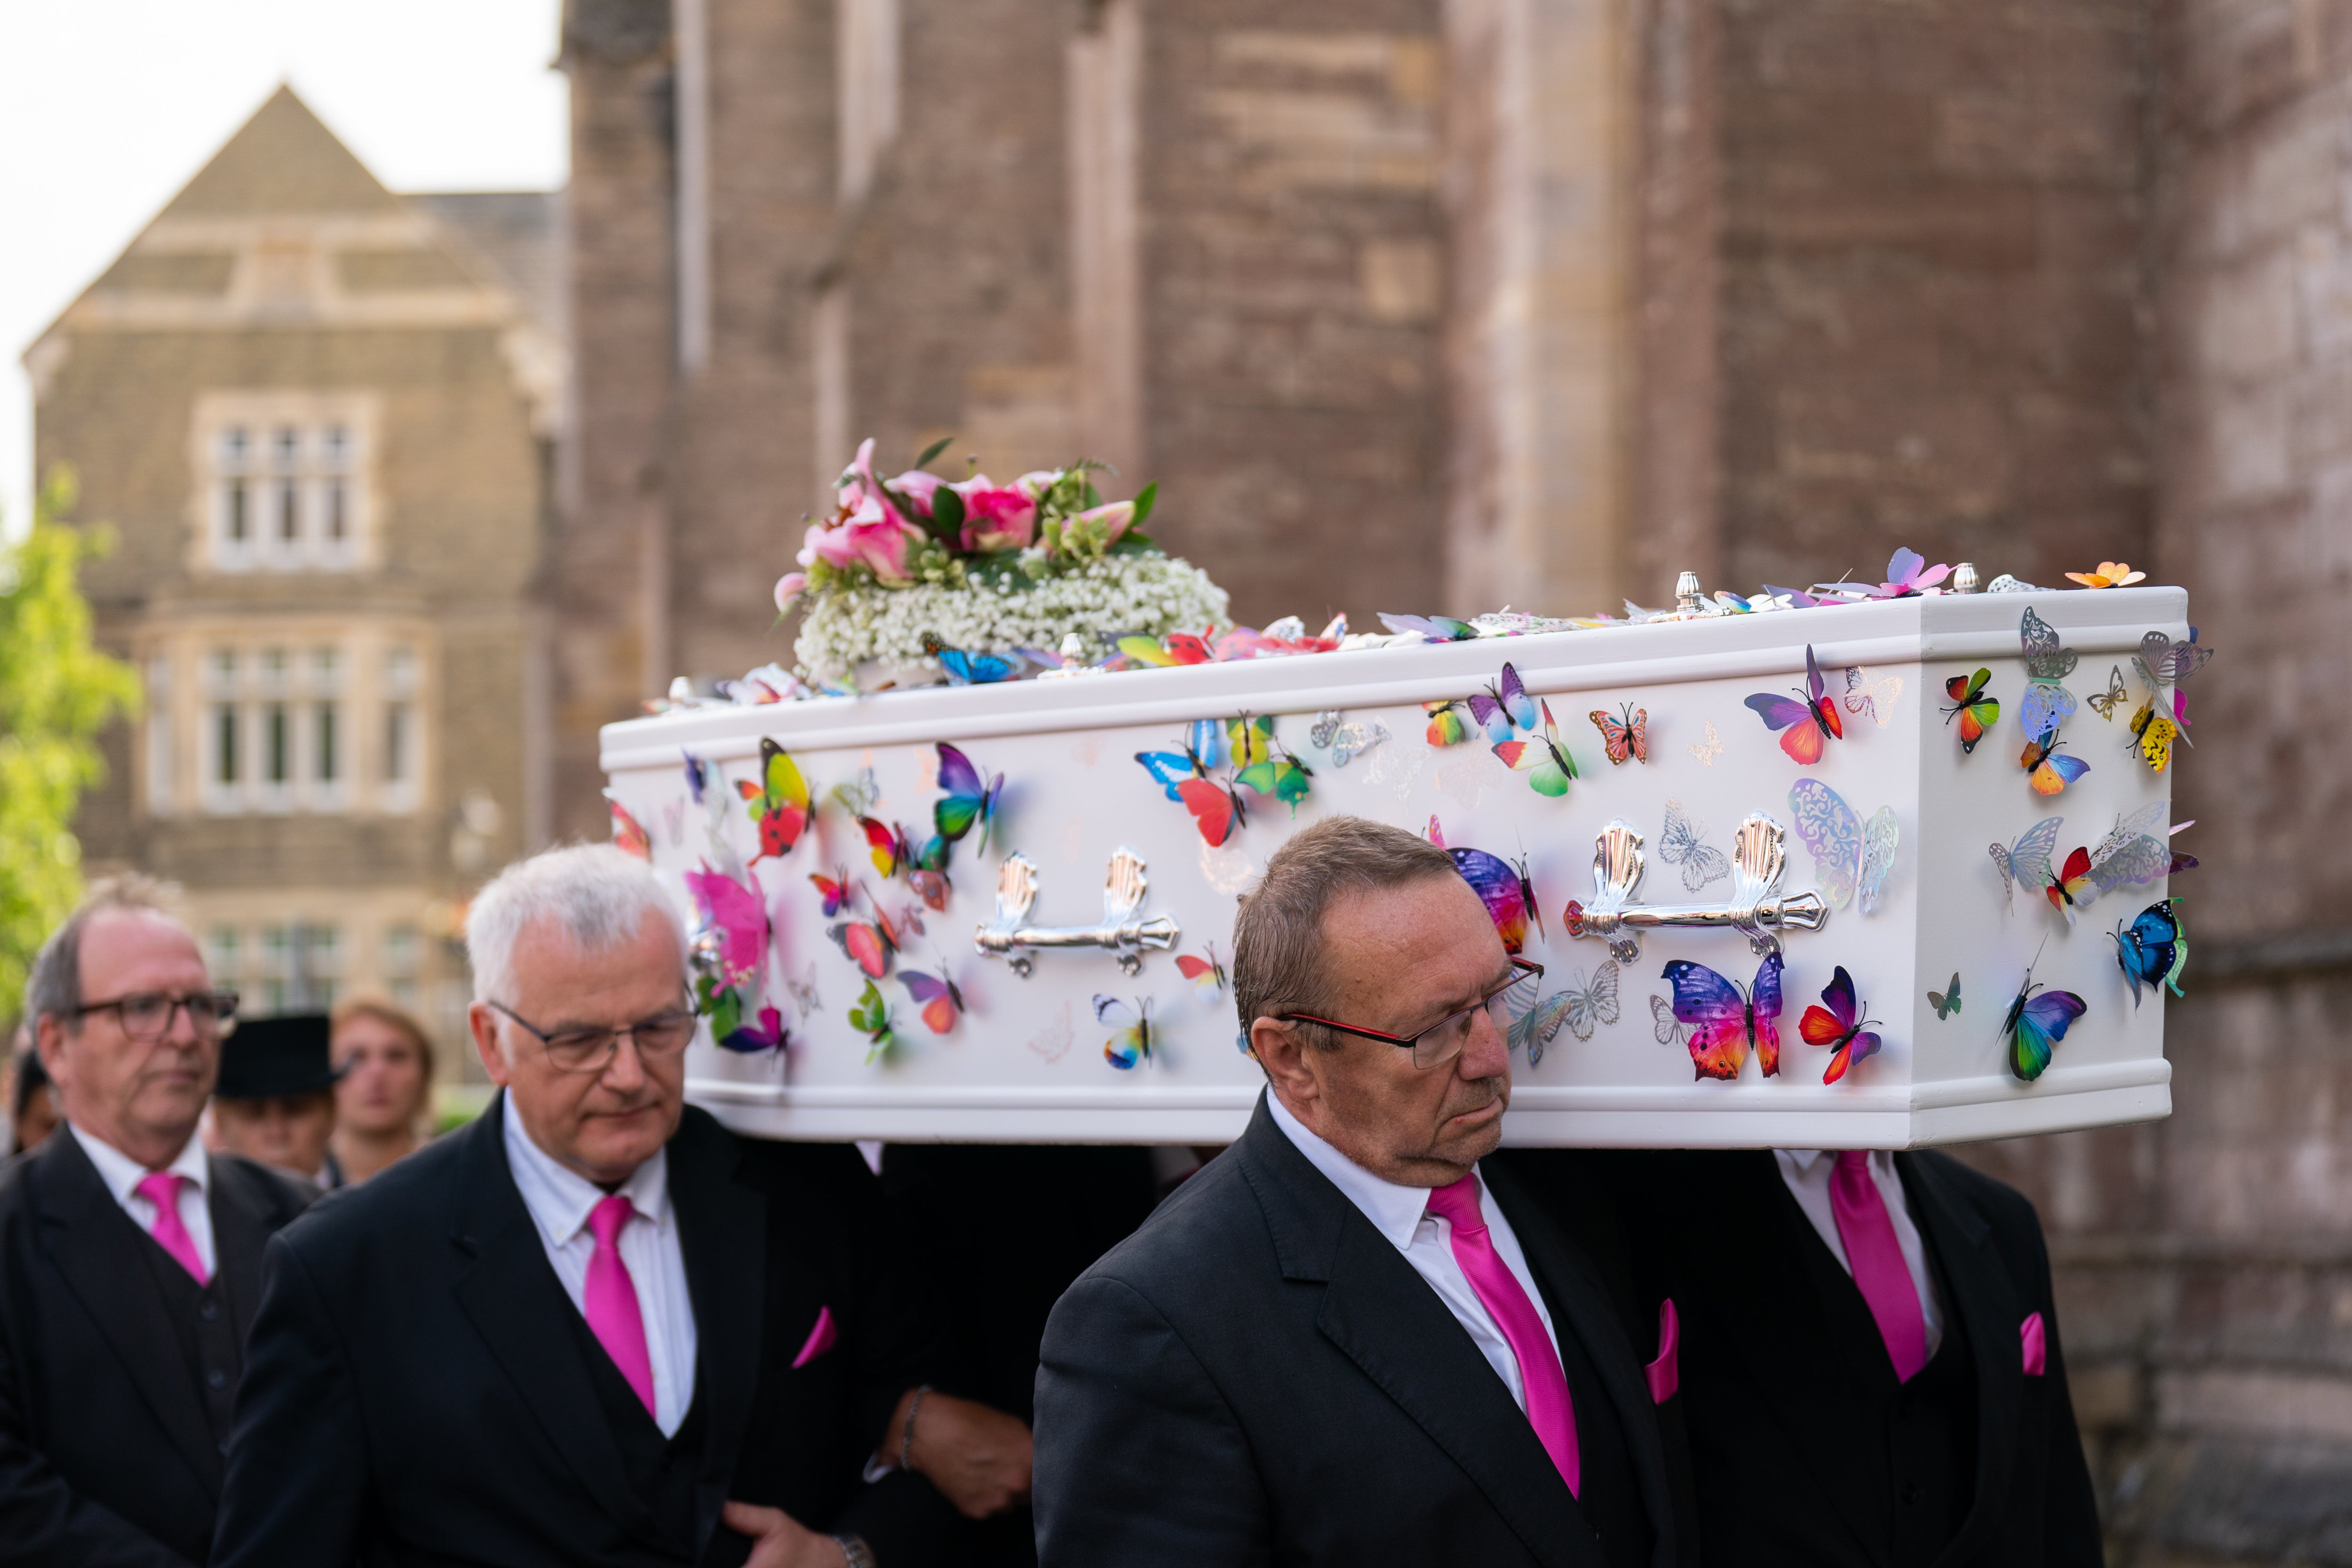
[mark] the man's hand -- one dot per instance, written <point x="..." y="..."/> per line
<point x="978" y="1457"/>
<point x="777" y="1541"/>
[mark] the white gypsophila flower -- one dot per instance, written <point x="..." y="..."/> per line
<point x="1151" y="595"/>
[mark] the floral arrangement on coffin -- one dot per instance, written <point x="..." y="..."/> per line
<point x="980" y="566"/>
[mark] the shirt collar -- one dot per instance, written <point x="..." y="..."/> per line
<point x="1817" y="1164"/>
<point x="122" y="1174"/>
<point x="1395" y="1211"/>
<point x="561" y="1199"/>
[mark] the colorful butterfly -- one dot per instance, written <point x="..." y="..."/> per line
<point x="1447" y="725"/>
<point x="2072" y="888"/>
<point x="2132" y="853"/>
<point x="868" y="944"/>
<point x="1165" y="653"/>
<point x="1840" y="1023"/>
<point x="1208" y="973"/>
<point x="971" y="669"/>
<point x="1581" y="1007"/>
<point x="929" y="876"/>
<point x="1907" y="572"/>
<point x="767" y="1034"/>
<point x="2153" y="734"/>
<point x="1946" y="1002"/>
<point x="837" y="890"/>
<point x="1706" y="751"/>
<point x="2045" y="769"/>
<point x="1624" y="737"/>
<point x="1849" y="854"/>
<point x="1503" y="707"/>
<point x="2035" y="1025"/>
<point x="1202" y="749"/>
<point x="942" y="1001"/>
<point x="886" y="845"/>
<point x="732" y="942"/>
<point x="2113" y="697"/>
<point x="779" y="802"/>
<point x="2153" y="949"/>
<point x="1499" y="887"/>
<point x="2046" y="703"/>
<point x="1541" y="757"/>
<point x="1663" y="1023"/>
<point x="967" y="802"/>
<point x="1873" y="698"/>
<point x="1435" y="628"/>
<point x="871" y="1016"/>
<point x="2027" y="861"/>
<point x="1346" y="741"/>
<point x="1977" y="712"/>
<point x="1130" y="1041"/>
<point x="628" y="833"/>
<point x="1251" y="738"/>
<point x="1679" y="845"/>
<point x="1282" y="776"/>
<point x="1725" y="1021"/>
<point x="1807" y="724"/>
<point x="1216" y="807"/>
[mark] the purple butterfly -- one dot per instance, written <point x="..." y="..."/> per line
<point x="1499" y="710"/>
<point x="1725" y="1021"/>
<point x="2035" y="1025"/>
<point x="768" y="1036"/>
<point x="1907" y="572"/>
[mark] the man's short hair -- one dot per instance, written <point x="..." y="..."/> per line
<point x="53" y="988"/>
<point x="1280" y="964"/>
<point x="598" y="895"/>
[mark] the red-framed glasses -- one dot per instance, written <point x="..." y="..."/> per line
<point x="1445" y="1039"/>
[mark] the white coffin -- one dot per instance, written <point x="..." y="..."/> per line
<point x="1027" y="1064"/>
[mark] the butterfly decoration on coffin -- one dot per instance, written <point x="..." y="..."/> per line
<point x="1837" y="1022"/>
<point x="1504" y="707"/>
<point x="1669" y="1030"/>
<point x="894" y="850"/>
<point x="629" y="835"/>
<point x="937" y="994"/>
<point x="1505" y="889"/>
<point x="2153" y="734"/>
<point x="1448" y="721"/>
<point x="1850" y="856"/>
<point x="726" y="955"/>
<point x="870" y="944"/>
<point x="804" y="992"/>
<point x="778" y="802"/>
<point x="1805" y="726"/>
<point x="2026" y="862"/>
<point x="1625" y="737"/>
<point x="2152" y="949"/>
<point x="1679" y="844"/>
<point x="2129" y="854"/>
<point x="973" y="668"/>
<point x="1581" y="1007"/>
<point x="1724" y="1022"/>
<point x="2047" y="769"/>
<point x="1250" y="738"/>
<point x="871" y="1017"/>
<point x="1871" y="699"/>
<point x="858" y="795"/>
<point x="2046" y="703"/>
<point x="1946" y="1001"/>
<point x="2034" y="1026"/>
<point x="836" y="891"/>
<point x="1202" y="749"/>
<point x="1541" y="757"/>
<point x="1706" y="751"/>
<point x="1131" y="1037"/>
<point x="2162" y="662"/>
<point x="1208" y="973"/>
<point x="965" y="802"/>
<point x="1165" y="653"/>
<point x="2107" y="703"/>
<point x="1279" y="774"/>
<point x="1977" y="712"/>
<point x="1435" y="628"/>
<point x="1908" y="575"/>
<point x="1346" y="739"/>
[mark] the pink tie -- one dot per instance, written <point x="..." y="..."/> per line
<point x="1550" y="1409"/>
<point x="162" y="1188"/>
<point x="613" y="1316"/>
<point x="1876" y="1258"/>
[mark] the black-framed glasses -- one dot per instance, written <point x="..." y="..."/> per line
<point x="1445" y="1039"/>
<point x="146" y="1015"/>
<point x="592" y="1050"/>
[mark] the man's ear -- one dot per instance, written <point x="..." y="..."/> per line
<point x="1283" y="1052"/>
<point x="484" y="1023"/>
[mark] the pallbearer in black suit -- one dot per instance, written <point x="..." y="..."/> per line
<point x="594" y="1328"/>
<point x="129" y="1261"/>
<point x="1870" y="1364"/>
<point x="1352" y="1338"/>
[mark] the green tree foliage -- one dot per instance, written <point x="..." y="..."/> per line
<point x="56" y="693"/>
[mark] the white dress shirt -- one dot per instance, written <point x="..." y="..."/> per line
<point x="1808" y="1172"/>
<point x="1400" y="1214"/>
<point x="121" y="1175"/>
<point x="561" y="1200"/>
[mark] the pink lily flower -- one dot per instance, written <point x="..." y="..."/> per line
<point x="996" y="518"/>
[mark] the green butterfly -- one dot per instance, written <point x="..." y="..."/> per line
<point x="1282" y="776"/>
<point x="872" y="1016"/>
<point x="1946" y="1002"/>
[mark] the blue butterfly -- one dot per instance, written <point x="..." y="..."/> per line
<point x="1203" y="749"/>
<point x="2152" y="949"/>
<point x="2035" y="1025"/>
<point x="973" y="668"/>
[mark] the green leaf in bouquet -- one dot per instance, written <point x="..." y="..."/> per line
<point x="933" y="450"/>
<point x="947" y="513"/>
<point x="1144" y="499"/>
<point x="1134" y="543"/>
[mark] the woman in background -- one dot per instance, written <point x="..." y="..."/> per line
<point x="385" y="1088"/>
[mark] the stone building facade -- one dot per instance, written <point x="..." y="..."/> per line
<point x="1417" y="304"/>
<point x="322" y="420"/>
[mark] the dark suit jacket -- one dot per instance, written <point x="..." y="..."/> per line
<point x="1769" y="1411"/>
<point x="107" y="1456"/>
<point x="414" y="1394"/>
<point x="1257" y="1376"/>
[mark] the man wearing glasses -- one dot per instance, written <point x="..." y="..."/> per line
<point x="1351" y="1338"/>
<point x="129" y="1261"/>
<point x="594" y="1326"/>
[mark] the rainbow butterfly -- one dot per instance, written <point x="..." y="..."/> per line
<point x="1445" y="724"/>
<point x="1725" y="1021"/>
<point x="779" y="802"/>
<point x="2046" y="704"/>
<point x="887" y="845"/>
<point x="1175" y="648"/>
<point x="1130" y="1041"/>
<point x="2152" y="949"/>
<point x="1839" y="1024"/>
<point x="2035" y="1025"/>
<point x="1208" y="973"/>
<point x="871" y="1015"/>
<point x="1541" y="757"/>
<point x="940" y="1000"/>
<point x="629" y="835"/>
<point x="1802" y="740"/>
<point x="1503" y="707"/>
<point x="1624" y="737"/>
<point x="837" y="890"/>
<point x="2046" y="770"/>
<point x="1508" y="897"/>
<point x="1977" y="712"/>
<point x="967" y="802"/>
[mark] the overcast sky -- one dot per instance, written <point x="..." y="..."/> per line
<point x="108" y="106"/>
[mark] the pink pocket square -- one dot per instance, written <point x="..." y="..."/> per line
<point x="820" y="1338"/>
<point x="2032" y="1334"/>
<point x="1664" y="1378"/>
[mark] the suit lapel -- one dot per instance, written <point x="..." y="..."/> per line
<point x="1580" y="1306"/>
<point x="511" y="1293"/>
<point x="98" y="1251"/>
<point x="1383" y="1316"/>
<point x="240" y="1231"/>
<point x="1988" y="1307"/>
<point x="723" y="1236"/>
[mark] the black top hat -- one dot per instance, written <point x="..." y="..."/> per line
<point x="270" y="1057"/>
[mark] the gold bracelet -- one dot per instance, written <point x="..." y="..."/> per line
<point x="907" y="1434"/>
